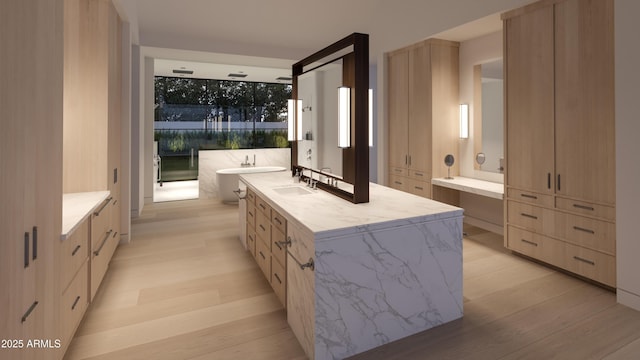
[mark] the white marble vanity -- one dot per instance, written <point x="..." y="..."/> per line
<point x="381" y="271"/>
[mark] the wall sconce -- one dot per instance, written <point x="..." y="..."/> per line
<point x="292" y="105"/>
<point x="370" y="117"/>
<point x="344" y="117"/>
<point x="464" y="121"/>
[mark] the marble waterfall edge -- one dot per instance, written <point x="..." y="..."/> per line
<point x="383" y="285"/>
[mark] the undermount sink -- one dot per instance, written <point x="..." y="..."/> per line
<point x="292" y="190"/>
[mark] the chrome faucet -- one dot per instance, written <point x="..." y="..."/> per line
<point x="246" y="161"/>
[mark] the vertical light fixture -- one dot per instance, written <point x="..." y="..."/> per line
<point x="370" y="117"/>
<point x="290" y="119"/>
<point x="344" y="117"/>
<point x="292" y="106"/>
<point x="464" y="121"/>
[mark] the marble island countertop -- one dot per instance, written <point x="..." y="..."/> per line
<point x="327" y="215"/>
<point x="76" y="207"/>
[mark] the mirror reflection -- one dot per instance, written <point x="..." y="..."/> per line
<point x="489" y="115"/>
<point x="318" y="90"/>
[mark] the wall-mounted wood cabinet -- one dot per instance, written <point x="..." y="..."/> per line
<point x="423" y="113"/>
<point x="560" y="142"/>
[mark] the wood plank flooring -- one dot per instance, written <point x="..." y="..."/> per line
<point x="186" y="289"/>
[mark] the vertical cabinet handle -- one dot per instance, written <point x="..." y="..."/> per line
<point x="548" y="180"/>
<point x="26" y="249"/>
<point x="558" y="182"/>
<point x="35" y="243"/>
<point x="29" y="311"/>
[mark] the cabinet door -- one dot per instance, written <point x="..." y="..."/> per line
<point x="585" y="133"/>
<point x="398" y="74"/>
<point x="419" y="127"/>
<point x="530" y="100"/>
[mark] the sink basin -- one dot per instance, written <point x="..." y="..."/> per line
<point x="292" y="190"/>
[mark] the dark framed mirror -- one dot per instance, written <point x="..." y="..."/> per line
<point x="315" y="155"/>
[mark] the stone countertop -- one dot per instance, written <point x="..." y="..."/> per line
<point x="328" y="216"/>
<point x="473" y="186"/>
<point x="76" y="207"/>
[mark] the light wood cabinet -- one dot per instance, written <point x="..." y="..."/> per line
<point x="266" y="229"/>
<point x="423" y="113"/>
<point x="560" y="174"/>
<point x="30" y="177"/>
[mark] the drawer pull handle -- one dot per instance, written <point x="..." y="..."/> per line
<point x="397" y="182"/>
<point x="419" y="188"/>
<point x="261" y="254"/>
<point x="529" y="196"/>
<point x="548" y="180"/>
<point x="398" y="170"/>
<point x="262" y="227"/>
<point x="583" y="207"/>
<point x="263" y="207"/>
<point x="104" y="241"/>
<point x="104" y="205"/>
<point x="529" y="216"/>
<point x="278" y="221"/>
<point x="73" y="307"/>
<point x="29" y="311"/>
<point x="278" y="244"/>
<point x="75" y="251"/>
<point x="418" y="174"/>
<point x="590" y="262"/>
<point x="529" y="242"/>
<point x="277" y="277"/>
<point x="584" y="230"/>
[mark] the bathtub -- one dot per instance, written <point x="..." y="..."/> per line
<point x="228" y="180"/>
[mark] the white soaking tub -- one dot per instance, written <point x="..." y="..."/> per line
<point x="228" y="180"/>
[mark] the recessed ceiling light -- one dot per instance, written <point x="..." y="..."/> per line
<point x="284" y="78"/>
<point x="176" y="71"/>
<point x="232" y="75"/>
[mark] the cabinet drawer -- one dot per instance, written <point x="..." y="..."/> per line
<point x="263" y="258"/>
<point x="420" y="188"/>
<point x="398" y="182"/>
<point x="419" y="175"/>
<point x="278" y="281"/>
<point x="591" y="264"/>
<point x="534" y="245"/>
<point x="251" y="241"/>
<point x="586" y="208"/>
<point x="530" y="217"/>
<point x="100" y="258"/>
<point x="398" y="171"/>
<point x="100" y="222"/>
<point x="251" y="215"/>
<point x="251" y="197"/>
<point x="263" y="227"/>
<point x="278" y="249"/>
<point x="73" y="303"/>
<point x="263" y="207"/>
<point x="75" y="252"/>
<point x="278" y="221"/>
<point x="530" y="197"/>
<point x="587" y="232"/>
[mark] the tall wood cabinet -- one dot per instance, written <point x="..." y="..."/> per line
<point x="560" y="123"/>
<point x="30" y="176"/>
<point x="423" y="113"/>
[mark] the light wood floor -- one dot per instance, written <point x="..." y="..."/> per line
<point x="186" y="289"/>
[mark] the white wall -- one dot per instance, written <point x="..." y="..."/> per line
<point x="627" y="151"/>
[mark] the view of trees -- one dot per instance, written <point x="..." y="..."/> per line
<point x="242" y="100"/>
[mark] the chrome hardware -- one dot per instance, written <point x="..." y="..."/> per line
<point x="238" y="194"/>
<point x="285" y="243"/>
<point x="309" y="265"/>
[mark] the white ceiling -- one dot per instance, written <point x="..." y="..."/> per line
<point x="279" y="32"/>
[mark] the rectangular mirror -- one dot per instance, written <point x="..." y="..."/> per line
<point x="488" y="116"/>
<point x="343" y="172"/>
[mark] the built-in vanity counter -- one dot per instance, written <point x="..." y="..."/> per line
<point x="357" y="275"/>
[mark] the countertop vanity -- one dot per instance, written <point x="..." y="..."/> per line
<point x="356" y="276"/>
